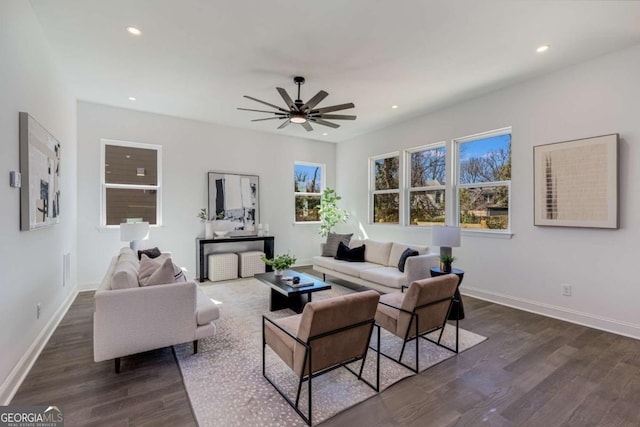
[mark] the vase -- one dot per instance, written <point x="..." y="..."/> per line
<point x="277" y="272"/>
<point x="208" y="230"/>
<point x="445" y="267"/>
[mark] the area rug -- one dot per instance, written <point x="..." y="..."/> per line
<point x="224" y="380"/>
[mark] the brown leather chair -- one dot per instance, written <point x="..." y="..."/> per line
<point x="422" y="309"/>
<point x="327" y="335"/>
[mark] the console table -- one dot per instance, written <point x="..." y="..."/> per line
<point x="268" y="245"/>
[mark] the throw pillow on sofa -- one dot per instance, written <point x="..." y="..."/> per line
<point x="151" y="253"/>
<point x="333" y="241"/>
<point x="403" y="258"/>
<point x="352" y="255"/>
<point x="153" y="272"/>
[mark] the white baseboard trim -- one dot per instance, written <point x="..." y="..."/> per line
<point x="614" y="326"/>
<point x="17" y="375"/>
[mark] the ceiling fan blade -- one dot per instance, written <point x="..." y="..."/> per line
<point x="261" y="111"/>
<point x="334" y="108"/>
<point x="334" y="116"/>
<point x="268" y="118"/>
<point x="265" y="103"/>
<point x="287" y="99"/>
<point x="285" y="124"/>
<point x="325" y="123"/>
<point x="307" y="126"/>
<point x="314" y="101"/>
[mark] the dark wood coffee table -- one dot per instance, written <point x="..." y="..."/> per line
<point x="283" y="295"/>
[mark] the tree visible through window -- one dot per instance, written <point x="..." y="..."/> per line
<point x="428" y="173"/>
<point x="386" y="189"/>
<point x="484" y="181"/>
<point x="308" y="185"/>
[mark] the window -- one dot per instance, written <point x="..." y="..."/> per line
<point x="131" y="182"/>
<point x="384" y="187"/>
<point x="427" y="180"/>
<point x="308" y="185"/>
<point x="484" y="180"/>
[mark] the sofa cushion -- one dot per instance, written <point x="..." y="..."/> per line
<point x="333" y="240"/>
<point x="398" y="248"/>
<point x="326" y="262"/>
<point x="403" y="258"/>
<point x="354" y="269"/>
<point x="387" y="276"/>
<point x="352" y="255"/>
<point x="124" y="276"/>
<point x="377" y="252"/>
<point x="356" y="243"/>
<point x="206" y="310"/>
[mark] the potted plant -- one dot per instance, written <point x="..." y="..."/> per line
<point x="208" y="225"/>
<point x="445" y="263"/>
<point x="280" y="263"/>
<point x="330" y="214"/>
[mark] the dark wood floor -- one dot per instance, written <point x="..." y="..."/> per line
<point x="532" y="371"/>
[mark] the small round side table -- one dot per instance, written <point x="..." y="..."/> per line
<point x="457" y="303"/>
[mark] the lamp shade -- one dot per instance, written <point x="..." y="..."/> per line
<point x="446" y="236"/>
<point x="130" y="232"/>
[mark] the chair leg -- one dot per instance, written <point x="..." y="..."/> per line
<point x="195" y="346"/>
<point x="417" y="347"/>
<point x="117" y="363"/>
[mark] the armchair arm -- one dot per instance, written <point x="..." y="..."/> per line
<point x="418" y="267"/>
<point x="396" y="308"/>
<point x="266" y="319"/>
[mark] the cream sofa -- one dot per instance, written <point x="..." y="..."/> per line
<point x="380" y="269"/>
<point x="136" y="319"/>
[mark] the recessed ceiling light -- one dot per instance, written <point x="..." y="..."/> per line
<point x="543" y="48"/>
<point x="134" y="31"/>
<point x="395" y="107"/>
<point x="325" y="134"/>
<point x="132" y="98"/>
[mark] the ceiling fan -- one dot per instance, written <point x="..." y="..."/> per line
<point x="303" y="112"/>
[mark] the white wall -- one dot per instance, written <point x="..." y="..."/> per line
<point x="31" y="261"/>
<point x="594" y="98"/>
<point x="190" y="149"/>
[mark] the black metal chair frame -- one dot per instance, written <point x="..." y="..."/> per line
<point x="415" y="321"/>
<point x="307" y="357"/>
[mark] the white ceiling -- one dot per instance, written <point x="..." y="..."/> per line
<point x="196" y="58"/>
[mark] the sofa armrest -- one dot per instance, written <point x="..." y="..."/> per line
<point x="128" y="321"/>
<point x="418" y="267"/>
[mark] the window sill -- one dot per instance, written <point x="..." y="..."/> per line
<point x="306" y="222"/>
<point x="487" y="234"/>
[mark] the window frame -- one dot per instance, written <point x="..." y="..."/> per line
<point x="399" y="190"/>
<point x="407" y="187"/>
<point x="104" y="185"/>
<point x="323" y="186"/>
<point x="457" y="186"/>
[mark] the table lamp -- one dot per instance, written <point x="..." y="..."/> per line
<point x="446" y="237"/>
<point x="133" y="232"/>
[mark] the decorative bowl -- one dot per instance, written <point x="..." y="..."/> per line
<point x="220" y="233"/>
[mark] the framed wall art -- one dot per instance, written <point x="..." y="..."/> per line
<point x="40" y="169"/>
<point x="235" y="198"/>
<point x="576" y="183"/>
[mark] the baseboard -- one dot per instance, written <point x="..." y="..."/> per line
<point x="17" y="375"/>
<point x="614" y="326"/>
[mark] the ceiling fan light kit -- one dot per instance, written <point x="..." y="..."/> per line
<point x="300" y="112"/>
